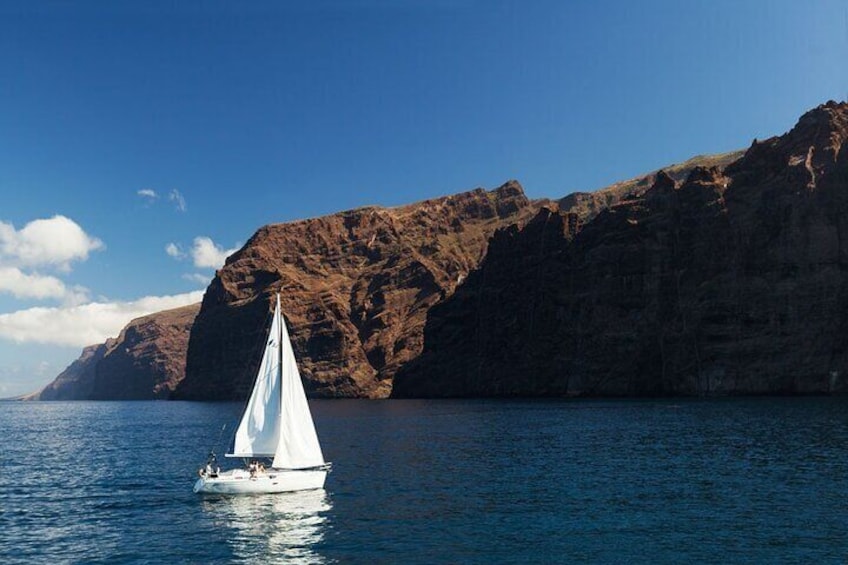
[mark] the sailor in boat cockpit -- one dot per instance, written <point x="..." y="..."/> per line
<point x="209" y="470"/>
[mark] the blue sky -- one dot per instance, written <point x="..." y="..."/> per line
<point x="236" y="115"/>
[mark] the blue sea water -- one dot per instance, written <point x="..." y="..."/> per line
<point x="625" y="481"/>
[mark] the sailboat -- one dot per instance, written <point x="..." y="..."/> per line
<point x="276" y="424"/>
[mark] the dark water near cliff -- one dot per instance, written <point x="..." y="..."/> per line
<point x="762" y="480"/>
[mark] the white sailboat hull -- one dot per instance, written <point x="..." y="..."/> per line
<point x="239" y="481"/>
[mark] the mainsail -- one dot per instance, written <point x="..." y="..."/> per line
<point x="277" y="422"/>
<point x="298" y="446"/>
<point x="259" y="430"/>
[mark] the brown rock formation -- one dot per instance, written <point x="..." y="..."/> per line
<point x="587" y="205"/>
<point x="356" y="287"/>
<point x="733" y="282"/>
<point x="145" y="362"/>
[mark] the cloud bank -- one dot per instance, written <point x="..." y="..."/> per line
<point x="86" y="324"/>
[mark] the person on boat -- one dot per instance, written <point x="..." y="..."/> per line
<point x="209" y="470"/>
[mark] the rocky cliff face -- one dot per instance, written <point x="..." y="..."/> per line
<point x="145" y="362"/>
<point x="734" y="281"/>
<point x="355" y="287"/>
<point x="587" y="205"/>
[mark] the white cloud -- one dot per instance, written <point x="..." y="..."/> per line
<point x="209" y="255"/>
<point x="198" y="278"/>
<point x="178" y="199"/>
<point x="22" y="285"/>
<point x="55" y="242"/>
<point x="76" y="295"/>
<point x="148" y="193"/>
<point x="175" y="251"/>
<point x="87" y="324"/>
<point x="44" y="243"/>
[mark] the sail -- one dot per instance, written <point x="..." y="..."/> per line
<point x="258" y="433"/>
<point x="297" y="446"/>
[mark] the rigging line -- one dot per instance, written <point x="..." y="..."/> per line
<point x="217" y="444"/>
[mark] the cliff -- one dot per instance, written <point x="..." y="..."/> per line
<point x="144" y="362"/>
<point x="587" y="205"/>
<point x="356" y="287"/>
<point x="148" y="358"/>
<point x="734" y="281"/>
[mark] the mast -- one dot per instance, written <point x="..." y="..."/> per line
<point x="280" y="358"/>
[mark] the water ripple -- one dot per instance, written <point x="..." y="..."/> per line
<point x="438" y="481"/>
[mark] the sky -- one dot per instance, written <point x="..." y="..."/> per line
<point x="143" y="142"/>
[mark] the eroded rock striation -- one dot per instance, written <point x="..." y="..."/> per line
<point x="734" y="281"/>
<point x="356" y="287"/>
<point x="145" y="362"/>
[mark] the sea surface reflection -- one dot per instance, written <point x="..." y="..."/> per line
<point x="284" y="526"/>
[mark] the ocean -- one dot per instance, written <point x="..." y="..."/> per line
<point x="447" y="481"/>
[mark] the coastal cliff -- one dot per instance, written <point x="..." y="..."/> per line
<point x="734" y="281"/>
<point x="587" y="205"/>
<point x="720" y="275"/>
<point x="451" y="252"/>
<point x="144" y="362"/>
<point x="355" y="288"/>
